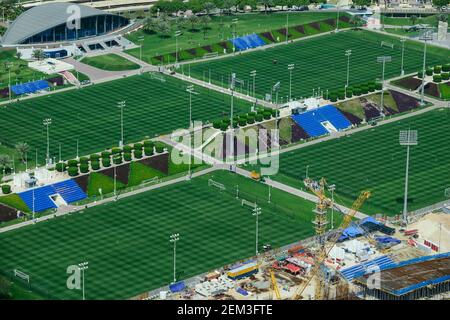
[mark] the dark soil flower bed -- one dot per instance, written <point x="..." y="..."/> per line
<point x="344" y="18"/>
<point x="351" y="117"/>
<point x="300" y="29"/>
<point x="7" y="213"/>
<point x="122" y="173"/>
<point x="315" y="25"/>
<point x="403" y="101"/>
<point x="432" y="89"/>
<point x="207" y="48"/>
<point x="59" y="81"/>
<point x="192" y="51"/>
<point x="159" y="162"/>
<point x="82" y="181"/>
<point x="370" y="111"/>
<point x="409" y="83"/>
<point x="160" y="58"/>
<point x="283" y="32"/>
<point x="4" y="92"/>
<point x="223" y="44"/>
<point x="268" y="36"/>
<point x="298" y="133"/>
<point x="331" y="22"/>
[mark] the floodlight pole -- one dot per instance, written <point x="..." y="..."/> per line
<point x="402" y="40"/>
<point x="383" y="60"/>
<point x="337" y="18"/>
<point x="306" y="172"/>
<point x="425" y="37"/>
<point x="287" y="28"/>
<point x="253" y="74"/>
<point x="348" y="53"/>
<point x="256" y="213"/>
<point x="234" y="23"/>
<point x="121" y="105"/>
<point x="47" y="122"/>
<point x="232" y="85"/>
<point x="9" y="80"/>
<point x="82" y="267"/>
<point x="173" y="239"/>
<point x="115" y="183"/>
<point x="140" y="39"/>
<point x="407" y="138"/>
<point x="177" y="34"/>
<point x="332" y="188"/>
<point x="290" y="68"/>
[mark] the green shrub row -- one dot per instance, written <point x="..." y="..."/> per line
<point x="246" y="118"/>
<point x="355" y="90"/>
<point x="6" y="189"/>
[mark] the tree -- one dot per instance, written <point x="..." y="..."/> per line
<point x="356" y="22"/>
<point x="440" y="3"/>
<point x="150" y="25"/>
<point x="38" y="54"/>
<point x="209" y="7"/>
<point x="18" y="55"/>
<point x="205" y="20"/>
<point x="228" y="4"/>
<point x="5" y="161"/>
<point x="442" y="17"/>
<point x="163" y="28"/>
<point x="193" y="21"/>
<point x="22" y="149"/>
<point x="11" y="9"/>
<point x="362" y="3"/>
<point x="267" y="4"/>
<point x="413" y="19"/>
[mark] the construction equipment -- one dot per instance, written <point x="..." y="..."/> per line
<point x="274" y="285"/>
<point x="326" y="247"/>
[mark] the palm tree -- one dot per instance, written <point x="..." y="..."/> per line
<point x="22" y="148"/>
<point x="356" y="21"/>
<point x="163" y="28"/>
<point x="193" y="20"/>
<point x="18" y="55"/>
<point x="150" y="25"/>
<point x="413" y="19"/>
<point x="5" y="160"/>
<point x="209" y="7"/>
<point x="38" y="54"/>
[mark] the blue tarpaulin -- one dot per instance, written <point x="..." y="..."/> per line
<point x="350" y="232"/>
<point x="177" y="287"/>
<point x="369" y="219"/>
<point x="30" y="87"/>
<point x="387" y="240"/>
<point x="242" y="291"/>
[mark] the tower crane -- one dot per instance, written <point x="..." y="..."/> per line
<point x="320" y="223"/>
<point x="274" y="284"/>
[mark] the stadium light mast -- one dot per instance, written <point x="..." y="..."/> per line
<point x="83" y="266"/>
<point x="173" y="239"/>
<point x="402" y="40"/>
<point x="348" y="53"/>
<point x="47" y="122"/>
<point x="253" y="74"/>
<point x="232" y="87"/>
<point x="383" y="60"/>
<point x="140" y="39"/>
<point x="177" y="34"/>
<point x="332" y="188"/>
<point x="190" y="90"/>
<point x="407" y="138"/>
<point x="425" y="37"/>
<point x="9" y="65"/>
<point x="256" y="213"/>
<point x="121" y="105"/>
<point x="290" y="68"/>
<point x="234" y="23"/>
<point x="287" y="28"/>
<point x="337" y="18"/>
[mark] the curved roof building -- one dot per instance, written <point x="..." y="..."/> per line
<point x="56" y="22"/>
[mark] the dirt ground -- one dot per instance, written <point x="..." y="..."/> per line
<point x="434" y="226"/>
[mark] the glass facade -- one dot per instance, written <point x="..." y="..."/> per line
<point x="89" y="27"/>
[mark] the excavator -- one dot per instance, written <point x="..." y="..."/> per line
<point x="326" y="245"/>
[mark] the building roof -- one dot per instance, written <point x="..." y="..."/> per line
<point x="43" y="17"/>
<point x="414" y="274"/>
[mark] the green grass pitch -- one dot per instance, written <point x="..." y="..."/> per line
<point x="373" y="160"/>
<point x="127" y="242"/>
<point x="91" y="114"/>
<point x="319" y="62"/>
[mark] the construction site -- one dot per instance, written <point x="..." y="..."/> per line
<point x="365" y="259"/>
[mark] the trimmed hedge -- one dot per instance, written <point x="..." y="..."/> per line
<point x="445" y="76"/>
<point x="95" y="165"/>
<point x="267" y="115"/>
<point x="242" y="123"/>
<point x="106" y="162"/>
<point x="84" y="160"/>
<point x="148" y="143"/>
<point x="259" y="117"/>
<point x="60" y="167"/>
<point x="117" y="160"/>
<point x="357" y="91"/>
<point x="159" y="147"/>
<point x="72" y="163"/>
<point x="94" y="157"/>
<point x="333" y="97"/>
<point x="138" y="146"/>
<point x="429" y="72"/>
<point x="378" y="86"/>
<point x="116" y="151"/>
<point x="106" y="154"/>
<point x="437" y="69"/>
<point x="127" y="156"/>
<point x="341" y="95"/>
<point x="138" y="154"/>
<point x="420" y="74"/>
<point x="73" y="171"/>
<point x="349" y="93"/>
<point x="446" y="67"/>
<point x="217" y="124"/>
<point x="148" y="151"/>
<point x="437" y="78"/>
<point x="6" y="189"/>
<point x="127" y="149"/>
<point x="84" y="168"/>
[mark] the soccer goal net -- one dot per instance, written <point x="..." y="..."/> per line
<point x="216" y="184"/>
<point x="22" y="275"/>
<point x="248" y="203"/>
<point x="210" y="55"/>
<point x="387" y="44"/>
<point x="157" y="76"/>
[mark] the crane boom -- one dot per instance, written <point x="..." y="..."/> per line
<point x="322" y="255"/>
<point x="275" y="284"/>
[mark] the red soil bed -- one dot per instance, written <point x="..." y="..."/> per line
<point x="192" y="52"/>
<point x="409" y="83"/>
<point x="268" y="36"/>
<point x="158" y="162"/>
<point x="432" y="90"/>
<point x="223" y="44"/>
<point x="298" y="133"/>
<point x="283" y="32"/>
<point x="351" y="117"/>
<point x="7" y="213"/>
<point x="403" y="101"/>
<point x="300" y="29"/>
<point x="344" y="18"/>
<point x="82" y="181"/>
<point x="207" y="48"/>
<point x="315" y="25"/>
<point x="370" y="111"/>
<point x="331" y="22"/>
<point x="122" y="173"/>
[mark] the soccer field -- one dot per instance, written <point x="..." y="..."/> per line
<point x="91" y="114"/>
<point x="319" y="63"/>
<point x="373" y="160"/>
<point x="127" y="242"/>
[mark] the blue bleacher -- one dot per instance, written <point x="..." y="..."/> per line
<point x="359" y="270"/>
<point x="30" y="87"/>
<point x="68" y="190"/>
<point x="246" y="42"/>
<point x="310" y="121"/>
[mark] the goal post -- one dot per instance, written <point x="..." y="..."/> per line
<point x="22" y="275"/>
<point x="157" y="76"/>
<point x="250" y="204"/>
<point x="218" y="185"/>
<point x="387" y="44"/>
